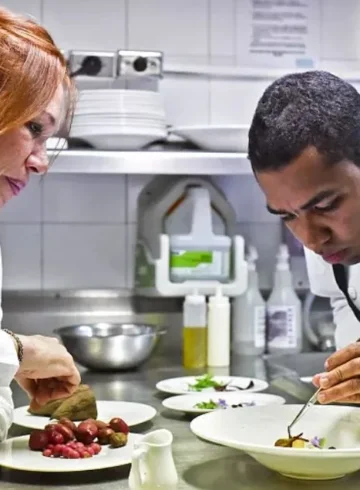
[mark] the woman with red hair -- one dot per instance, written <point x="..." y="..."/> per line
<point x="36" y="98"/>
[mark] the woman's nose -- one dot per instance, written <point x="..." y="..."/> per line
<point x="38" y="162"/>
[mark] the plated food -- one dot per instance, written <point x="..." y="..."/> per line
<point x="211" y="384"/>
<point x="203" y="402"/>
<point x="255" y="430"/>
<point x="81" y="405"/>
<point x="65" y="439"/>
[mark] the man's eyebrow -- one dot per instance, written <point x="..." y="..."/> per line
<point x="309" y="204"/>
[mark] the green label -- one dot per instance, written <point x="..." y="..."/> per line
<point x="191" y="258"/>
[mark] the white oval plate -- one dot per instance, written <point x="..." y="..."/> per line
<point x="180" y="386"/>
<point x="186" y="403"/>
<point x="16" y="455"/>
<point x="132" y="413"/>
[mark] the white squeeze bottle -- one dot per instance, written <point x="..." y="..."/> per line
<point x="284" y="310"/>
<point x="249" y="314"/>
<point x="218" y="345"/>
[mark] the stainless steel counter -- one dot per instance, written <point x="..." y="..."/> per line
<point x="200" y="465"/>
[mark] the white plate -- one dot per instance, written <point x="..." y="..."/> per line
<point x="132" y="413"/>
<point x="186" y="403"/>
<point x="232" y="138"/>
<point x="15" y="454"/>
<point x="255" y="430"/>
<point x="180" y="386"/>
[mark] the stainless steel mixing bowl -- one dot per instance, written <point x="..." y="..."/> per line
<point x="110" y="346"/>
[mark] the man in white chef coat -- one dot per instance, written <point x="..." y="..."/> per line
<point x="304" y="147"/>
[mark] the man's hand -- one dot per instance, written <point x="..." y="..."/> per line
<point x="47" y="371"/>
<point x="341" y="381"/>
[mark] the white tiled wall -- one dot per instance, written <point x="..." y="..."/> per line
<point x="70" y="231"/>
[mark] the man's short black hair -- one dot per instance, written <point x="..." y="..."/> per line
<point x="314" y="108"/>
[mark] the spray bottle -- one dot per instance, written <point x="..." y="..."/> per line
<point x="284" y="310"/>
<point x="249" y="314"/>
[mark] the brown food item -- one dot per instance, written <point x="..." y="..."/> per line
<point x="118" y="439"/>
<point x="81" y="405"/>
<point x="68" y="423"/>
<point x="101" y="425"/>
<point x="104" y="436"/>
<point x="38" y="440"/>
<point x="86" y="432"/>
<point x="119" y="425"/>
<point x="289" y="441"/>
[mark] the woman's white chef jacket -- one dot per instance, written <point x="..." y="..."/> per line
<point x="8" y="366"/>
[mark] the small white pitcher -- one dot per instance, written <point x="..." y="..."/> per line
<point x="153" y="465"/>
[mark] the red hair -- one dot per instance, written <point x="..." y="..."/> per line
<point x="31" y="70"/>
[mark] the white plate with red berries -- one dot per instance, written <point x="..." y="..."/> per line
<point x="58" y="446"/>
<point x="133" y="413"/>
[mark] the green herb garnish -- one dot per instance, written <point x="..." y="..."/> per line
<point x="206" y="381"/>
<point x="210" y="405"/>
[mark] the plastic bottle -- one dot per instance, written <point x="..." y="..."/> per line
<point x="194" y="331"/>
<point x="218" y="345"/>
<point x="249" y="314"/>
<point x="284" y="310"/>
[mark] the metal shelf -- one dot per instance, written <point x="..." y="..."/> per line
<point x="148" y="162"/>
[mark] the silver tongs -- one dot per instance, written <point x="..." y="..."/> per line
<point x="303" y="410"/>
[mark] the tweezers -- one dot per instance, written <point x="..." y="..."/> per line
<point x="311" y="402"/>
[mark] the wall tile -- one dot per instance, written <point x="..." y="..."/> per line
<point x="84" y="256"/>
<point x="130" y="254"/>
<point x="246" y="197"/>
<point x="84" y="198"/>
<point x="21" y="254"/>
<point x="234" y="101"/>
<point x="86" y="25"/>
<point x="28" y="7"/>
<point x="222" y="30"/>
<point x="26" y="207"/>
<point x="186" y="100"/>
<point x="178" y="27"/>
<point x="341" y="18"/>
<point x="135" y="184"/>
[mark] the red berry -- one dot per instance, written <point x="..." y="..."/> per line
<point x="86" y="454"/>
<point x="90" y="450"/>
<point x="74" y="455"/>
<point x="96" y="447"/>
<point x="47" y="453"/>
<point x="66" y="452"/>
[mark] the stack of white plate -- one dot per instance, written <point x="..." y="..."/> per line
<point x="112" y="119"/>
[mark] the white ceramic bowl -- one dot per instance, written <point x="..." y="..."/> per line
<point x="255" y="430"/>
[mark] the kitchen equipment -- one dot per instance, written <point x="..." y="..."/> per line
<point x="152" y="462"/>
<point x="109" y="346"/>
<point x="225" y="138"/>
<point x="310" y="403"/>
<point x="235" y="384"/>
<point x="194" y="331"/>
<point x="118" y="119"/>
<point x="15" y="455"/>
<point x="189" y="403"/>
<point x="218" y="345"/>
<point x="319" y="327"/>
<point x="133" y="413"/>
<point x="254" y="430"/>
<point x="165" y="213"/>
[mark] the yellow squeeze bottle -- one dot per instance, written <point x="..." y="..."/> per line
<point x="194" y="331"/>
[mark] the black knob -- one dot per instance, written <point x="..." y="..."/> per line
<point x="140" y="64"/>
<point x="91" y="65"/>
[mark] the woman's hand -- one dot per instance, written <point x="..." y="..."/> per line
<point x="47" y="371"/>
<point x="341" y="381"/>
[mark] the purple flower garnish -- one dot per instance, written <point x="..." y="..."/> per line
<point x="315" y="441"/>
<point x="222" y="403"/>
